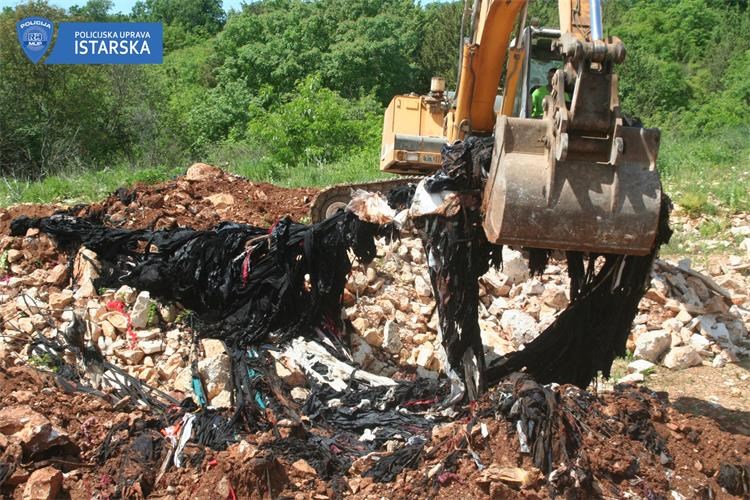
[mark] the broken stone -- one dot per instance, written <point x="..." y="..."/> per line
<point x="495" y="283"/>
<point x="362" y="353"/>
<point x="139" y="315"/>
<point x="417" y="255"/>
<point x="300" y="393"/>
<point x="213" y="348"/>
<point x="672" y="325"/>
<point x="374" y="337"/>
<point x="25" y="325"/>
<point x="374" y="314"/>
<point x="85" y="271"/>
<point x="632" y="378"/>
<point x="713" y="329"/>
<point x="424" y="354"/>
<point x="131" y="356"/>
<point x="422" y="287"/>
<point x="514" y="266"/>
<point x="740" y="230"/>
<point x="108" y="330"/>
<point x="495" y="344"/>
<point x="35" y="432"/>
<point x="126" y="294"/>
<point x="498" y="305"/>
<point x="118" y="320"/>
<point x="58" y="301"/>
<point x="290" y="373"/>
<point x="360" y="325"/>
<point x="357" y="283"/>
<point x="14" y="255"/>
<point x="683" y="316"/>
<point x="222" y="400"/>
<point x="30" y="305"/>
<point x="58" y="275"/>
<point x="521" y="326"/>
<point x="682" y="357"/>
<point x="43" y="484"/>
<point x="746" y="245"/>
<point x="302" y="466"/>
<point x="676" y="339"/>
<point x="651" y="345"/>
<point x="203" y="172"/>
<point x="148" y="335"/>
<point x="391" y="337"/>
<point x="532" y="287"/>
<point x="151" y="346"/>
<point x="699" y="341"/>
<point x="221" y="200"/>
<point x="555" y="298"/>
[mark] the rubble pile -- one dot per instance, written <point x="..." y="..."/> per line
<point x="688" y="318"/>
<point x="324" y="426"/>
<point x="684" y="312"/>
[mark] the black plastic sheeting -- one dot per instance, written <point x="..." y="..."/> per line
<point x="253" y="288"/>
<point x="593" y="330"/>
<point x="245" y="284"/>
<point x="735" y="478"/>
<point x="459" y="254"/>
<point x="584" y="339"/>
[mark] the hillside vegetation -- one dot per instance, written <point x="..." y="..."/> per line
<point x="293" y="91"/>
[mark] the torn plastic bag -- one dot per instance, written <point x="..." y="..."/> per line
<point x="387" y="468"/>
<point x="320" y="365"/>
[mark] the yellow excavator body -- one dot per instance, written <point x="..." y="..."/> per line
<point x="579" y="178"/>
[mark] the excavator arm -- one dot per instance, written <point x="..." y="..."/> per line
<point x="482" y="62"/>
<point x="579" y="178"/>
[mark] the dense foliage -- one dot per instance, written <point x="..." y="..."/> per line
<point x="285" y="85"/>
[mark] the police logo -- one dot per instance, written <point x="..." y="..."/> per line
<point x="35" y="35"/>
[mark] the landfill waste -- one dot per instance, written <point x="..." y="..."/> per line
<point x="581" y="342"/>
<point x="174" y="408"/>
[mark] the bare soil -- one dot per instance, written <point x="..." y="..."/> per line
<point x="702" y="413"/>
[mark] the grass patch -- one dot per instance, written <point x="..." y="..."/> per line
<point x="709" y="174"/>
<point x="80" y="185"/>
<point x="242" y="159"/>
<point x="704" y="175"/>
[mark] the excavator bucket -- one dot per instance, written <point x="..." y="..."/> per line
<point x="584" y="196"/>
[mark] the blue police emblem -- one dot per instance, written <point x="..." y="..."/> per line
<point x="35" y="36"/>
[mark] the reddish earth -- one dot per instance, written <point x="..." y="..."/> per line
<point x="620" y="459"/>
<point x="183" y="202"/>
<point x="621" y="464"/>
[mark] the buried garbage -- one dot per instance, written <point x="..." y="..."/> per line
<point x="274" y="393"/>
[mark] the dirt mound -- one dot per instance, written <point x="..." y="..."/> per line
<point x="197" y="201"/>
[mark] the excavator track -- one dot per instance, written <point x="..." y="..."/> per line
<point x="332" y="198"/>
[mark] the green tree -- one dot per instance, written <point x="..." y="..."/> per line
<point x="193" y="16"/>
<point x="438" y="54"/>
<point x="314" y="125"/>
<point x="93" y="11"/>
<point x="357" y="46"/>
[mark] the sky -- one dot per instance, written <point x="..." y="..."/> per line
<point x="123" y="6"/>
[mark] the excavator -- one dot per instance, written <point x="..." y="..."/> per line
<point x="580" y="178"/>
